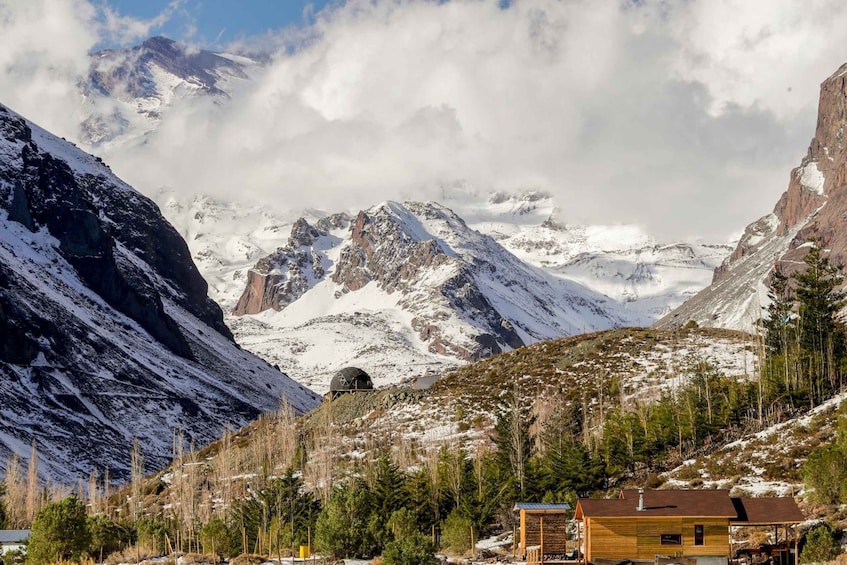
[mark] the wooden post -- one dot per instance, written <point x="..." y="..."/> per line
<point x="796" y="547"/>
<point x="541" y="541"/>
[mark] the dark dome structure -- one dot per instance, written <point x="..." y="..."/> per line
<point x="350" y="379"/>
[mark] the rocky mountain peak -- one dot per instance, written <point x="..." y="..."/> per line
<point x="465" y="295"/>
<point x="813" y="206"/>
<point x="302" y="234"/>
<point x="282" y="277"/>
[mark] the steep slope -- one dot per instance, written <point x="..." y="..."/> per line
<point x="445" y="292"/>
<point x="130" y="90"/>
<point x="108" y="333"/>
<point x="814" y="206"/>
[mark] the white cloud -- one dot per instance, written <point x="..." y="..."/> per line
<point x="43" y="51"/>
<point x="119" y="29"/>
<point x="675" y="116"/>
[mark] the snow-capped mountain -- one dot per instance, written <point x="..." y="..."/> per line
<point x="406" y="288"/>
<point x="108" y="333"/>
<point x="646" y="277"/>
<point x="129" y="91"/>
<point x="814" y="206"/>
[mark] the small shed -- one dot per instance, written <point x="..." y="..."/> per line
<point x="349" y="379"/>
<point x="13" y="540"/>
<point x="543" y="526"/>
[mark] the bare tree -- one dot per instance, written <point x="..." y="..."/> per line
<point x="136" y="463"/>
<point x="33" y="500"/>
<point x="15" y="493"/>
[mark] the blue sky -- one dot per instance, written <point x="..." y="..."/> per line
<point x="215" y="23"/>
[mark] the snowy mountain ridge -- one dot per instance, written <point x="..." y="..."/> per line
<point x="411" y="288"/>
<point x="108" y="331"/>
<point x="130" y="91"/>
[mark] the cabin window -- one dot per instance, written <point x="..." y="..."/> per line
<point x="698" y="534"/>
<point x="671" y="539"/>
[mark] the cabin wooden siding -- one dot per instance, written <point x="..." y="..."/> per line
<point x="555" y="531"/>
<point x="629" y="538"/>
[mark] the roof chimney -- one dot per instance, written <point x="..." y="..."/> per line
<point x="640" y="500"/>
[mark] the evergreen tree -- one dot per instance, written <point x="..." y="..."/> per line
<point x="419" y="493"/>
<point x="821" y="545"/>
<point x="569" y="471"/>
<point x="342" y="526"/>
<point x="294" y="509"/>
<point x="778" y="323"/>
<point x="408" y="546"/>
<point x="59" y="533"/>
<point x="388" y="494"/>
<point x="215" y="537"/>
<point x="515" y="444"/>
<point x="821" y="333"/>
<point x="107" y="536"/>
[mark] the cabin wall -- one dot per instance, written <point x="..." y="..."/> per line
<point x="640" y="538"/>
<point x="555" y="531"/>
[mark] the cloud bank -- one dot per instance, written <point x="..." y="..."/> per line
<point x="682" y="117"/>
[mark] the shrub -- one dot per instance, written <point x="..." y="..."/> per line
<point x="821" y="545"/>
<point x="247" y="559"/>
<point x="825" y="472"/>
<point x="456" y="532"/>
<point x="59" y="533"/>
<point x="199" y="559"/>
<point x="132" y="554"/>
<point x="414" y="549"/>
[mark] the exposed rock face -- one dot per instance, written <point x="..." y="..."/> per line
<point x="384" y="250"/>
<point x="814" y="206"/>
<point x="284" y="276"/>
<point x="107" y="332"/>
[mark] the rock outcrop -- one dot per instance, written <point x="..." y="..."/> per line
<point x="813" y="207"/>
<point x="279" y="279"/>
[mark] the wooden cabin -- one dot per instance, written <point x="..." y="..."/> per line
<point x="543" y="526"/>
<point x="690" y="525"/>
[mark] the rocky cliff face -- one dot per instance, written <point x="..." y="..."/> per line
<point x="814" y="206"/>
<point x="279" y="279"/>
<point x="107" y="330"/>
<point x="461" y="293"/>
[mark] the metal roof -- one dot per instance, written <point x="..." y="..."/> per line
<point x="713" y="503"/>
<point x="694" y="503"/>
<point x="13" y="536"/>
<point x="540" y="506"/>
<point x="767" y="511"/>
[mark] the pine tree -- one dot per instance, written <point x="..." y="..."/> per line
<point x="515" y="442"/>
<point x="779" y="339"/>
<point x="59" y="533"/>
<point x="821" y="333"/>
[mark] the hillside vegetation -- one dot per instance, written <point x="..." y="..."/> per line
<point x="549" y="422"/>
